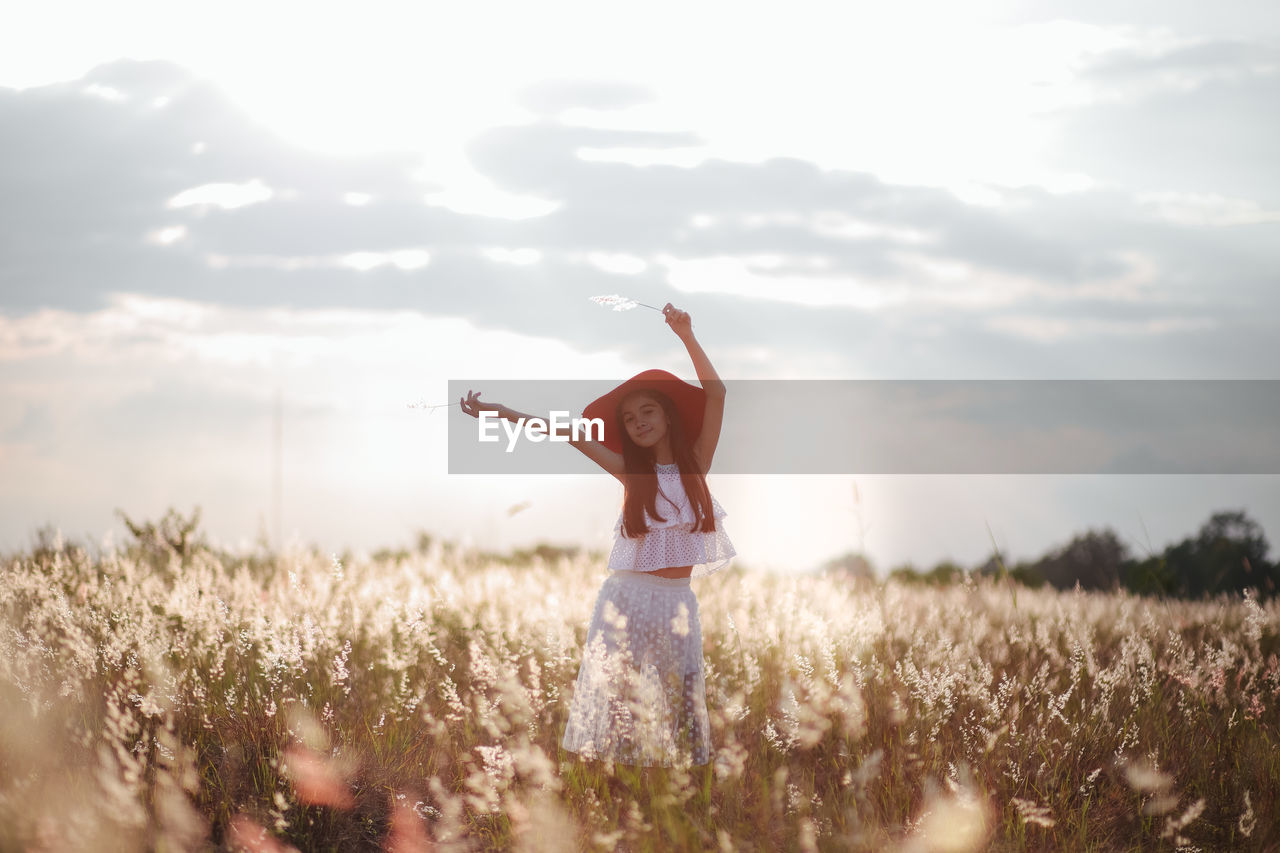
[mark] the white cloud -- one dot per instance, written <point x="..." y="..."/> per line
<point x="107" y="93"/>
<point x="685" y="158"/>
<point x="745" y="276"/>
<point x="620" y="263"/>
<point x="927" y="282"/>
<point x="866" y="88"/>
<point x="166" y="236"/>
<point x="225" y="196"/>
<point x="405" y="259"/>
<point x="1160" y="61"/>
<point x="479" y="197"/>
<point x="219" y="261"/>
<point x="520" y="257"/>
<point x="1206" y="209"/>
<point x="1046" y="329"/>
<point x="835" y="224"/>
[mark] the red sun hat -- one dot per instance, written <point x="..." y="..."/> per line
<point x="690" y="402"/>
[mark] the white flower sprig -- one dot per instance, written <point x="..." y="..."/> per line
<point x="423" y="405"/>
<point x="619" y="303"/>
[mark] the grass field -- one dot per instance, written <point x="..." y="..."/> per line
<point x="416" y="702"/>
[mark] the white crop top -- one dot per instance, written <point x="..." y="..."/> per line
<point x="673" y="542"/>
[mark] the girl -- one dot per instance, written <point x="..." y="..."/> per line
<point x="640" y="695"/>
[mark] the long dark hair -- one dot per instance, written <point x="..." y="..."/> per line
<point x="641" y="482"/>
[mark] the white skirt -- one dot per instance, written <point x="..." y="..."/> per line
<point x="640" y="697"/>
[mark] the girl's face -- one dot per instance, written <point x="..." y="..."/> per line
<point x="644" y="420"/>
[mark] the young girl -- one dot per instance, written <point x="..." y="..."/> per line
<point x="640" y="695"/>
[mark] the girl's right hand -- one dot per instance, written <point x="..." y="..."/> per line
<point x="472" y="406"/>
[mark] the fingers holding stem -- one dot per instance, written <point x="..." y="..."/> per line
<point x="472" y="405"/>
<point x="678" y="320"/>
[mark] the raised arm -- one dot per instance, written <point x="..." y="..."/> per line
<point x="593" y="450"/>
<point x="713" y="415"/>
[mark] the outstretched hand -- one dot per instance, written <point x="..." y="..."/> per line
<point x="678" y="320"/>
<point x="472" y="405"/>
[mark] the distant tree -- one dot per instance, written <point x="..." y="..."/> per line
<point x="905" y="573"/>
<point x="390" y="555"/>
<point x="173" y="536"/>
<point x="994" y="566"/>
<point x="852" y="564"/>
<point x="1149" y="576"/>
<point x="1027" y="574"/>
<point x="546" y="552"/>
<point x="1092" y="559"/>
<point x="943" y="573"/>
<point x="1228" y="554"/>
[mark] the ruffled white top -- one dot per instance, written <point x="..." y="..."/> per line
<point x="673" y="542"/>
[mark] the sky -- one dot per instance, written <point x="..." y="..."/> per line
<point x="342" y="208"/>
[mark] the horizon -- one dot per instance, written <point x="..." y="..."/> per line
<point x="50" y="535"/>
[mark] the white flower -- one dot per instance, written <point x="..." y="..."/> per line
<point x="618" y="303"/>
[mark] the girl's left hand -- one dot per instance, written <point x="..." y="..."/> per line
<point x="678" y="320"/>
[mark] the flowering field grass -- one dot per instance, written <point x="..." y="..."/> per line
<point x="416" y="702"/>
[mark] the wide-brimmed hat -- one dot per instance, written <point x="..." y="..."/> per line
<point x="690" y="402"/>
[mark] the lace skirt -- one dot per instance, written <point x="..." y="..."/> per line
<point x="640" y="697"/>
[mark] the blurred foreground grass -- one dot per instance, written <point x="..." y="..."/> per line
<point x="416" y="702"/>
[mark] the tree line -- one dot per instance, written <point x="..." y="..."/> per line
<point x="1227" y="555"/>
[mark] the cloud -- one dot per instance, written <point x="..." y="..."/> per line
<point x="93" y="187"/>
<point x="1185" y="65"/>
<point x="1219" y="21"/>
<point x="1197" y="118"/>
<point x="85" y="178"/>
<point x="550" y="97"/>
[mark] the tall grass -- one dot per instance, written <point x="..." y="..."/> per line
<point x="416" y="702"/>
